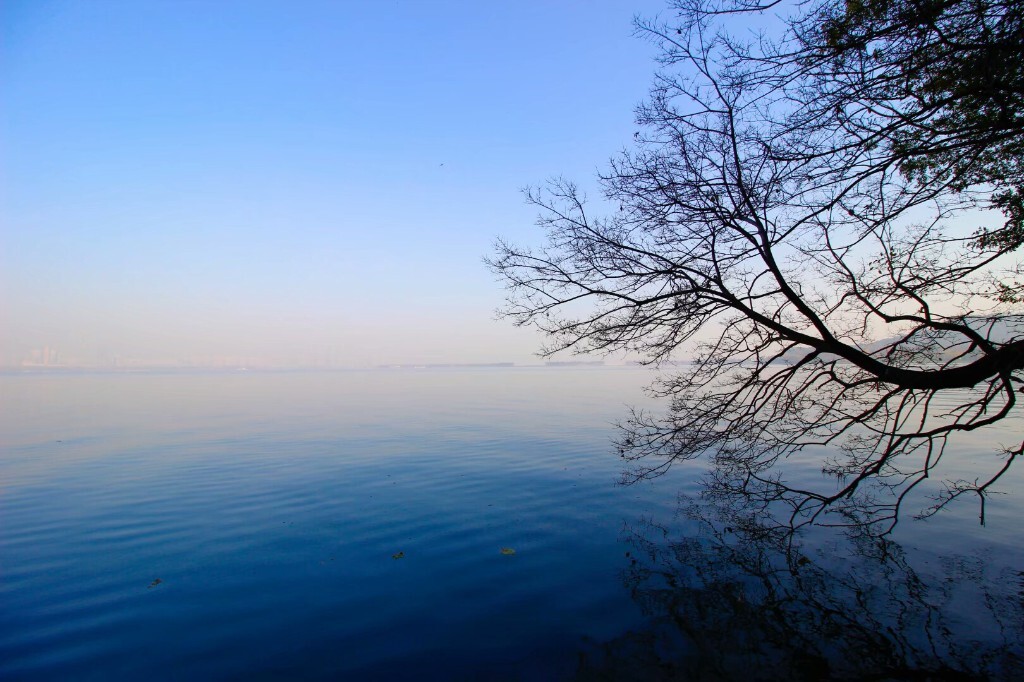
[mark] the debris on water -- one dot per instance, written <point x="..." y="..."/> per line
<point x="507" y="550"/>
<point x="400" y="555"/>
<point x="153" y="584"/>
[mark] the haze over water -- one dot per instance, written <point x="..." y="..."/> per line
<point x="263" y="183"/>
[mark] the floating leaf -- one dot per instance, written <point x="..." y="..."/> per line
<point x="154" y="583"/>
<point x="507" y="550"/>
<point x="400" y="555"/>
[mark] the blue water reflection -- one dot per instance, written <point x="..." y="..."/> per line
<point x="161" y="526"/>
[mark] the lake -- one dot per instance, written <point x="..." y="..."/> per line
<point x="458" y="523"/>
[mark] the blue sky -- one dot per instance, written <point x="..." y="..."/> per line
<point x="294" y="181"/>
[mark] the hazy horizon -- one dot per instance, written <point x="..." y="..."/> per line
<point x="290" y="184"/>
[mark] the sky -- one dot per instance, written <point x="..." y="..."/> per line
<point x="291" y="182"/>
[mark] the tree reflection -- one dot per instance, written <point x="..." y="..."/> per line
<point x="737" y="599"/>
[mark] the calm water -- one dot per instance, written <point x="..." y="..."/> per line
<point x="350" y="525"/>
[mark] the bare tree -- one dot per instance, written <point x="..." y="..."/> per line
<point x="831" y="210"/>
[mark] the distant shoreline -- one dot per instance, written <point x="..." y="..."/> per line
<point x="198" y="369"/>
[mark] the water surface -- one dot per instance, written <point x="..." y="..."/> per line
<point x="349" y="525"/>
<point x="270" y="507"/>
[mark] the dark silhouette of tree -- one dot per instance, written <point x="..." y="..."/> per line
<point x="831" y="208"/>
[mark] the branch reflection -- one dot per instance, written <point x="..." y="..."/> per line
<point x="735" y="598"/>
